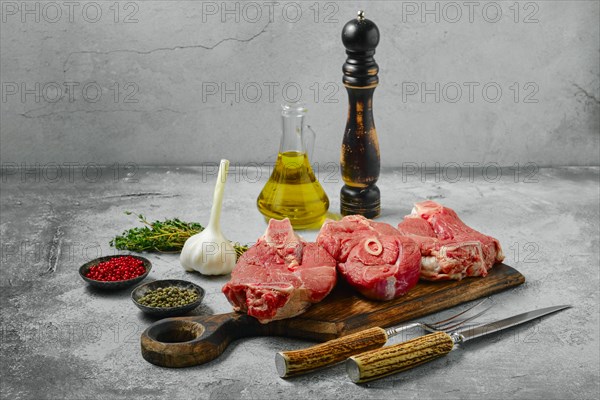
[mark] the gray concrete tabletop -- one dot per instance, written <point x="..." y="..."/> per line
<point x="61" y="339"/>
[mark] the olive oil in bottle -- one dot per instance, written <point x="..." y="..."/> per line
<point x="293" y="191"/>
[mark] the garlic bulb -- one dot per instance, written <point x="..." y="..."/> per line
<point x="209" y="252"/>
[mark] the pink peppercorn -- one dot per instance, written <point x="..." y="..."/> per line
<point x="117" y="269"/>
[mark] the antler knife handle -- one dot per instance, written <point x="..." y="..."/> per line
<point x="389" y="360"/>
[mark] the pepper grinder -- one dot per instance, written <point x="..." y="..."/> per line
<point x="359" y="159"/>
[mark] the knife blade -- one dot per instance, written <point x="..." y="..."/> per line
<point x="389" y="360"/>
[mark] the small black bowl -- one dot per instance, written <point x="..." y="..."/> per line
<point x="163" y="312"/>
<point x="113" y="285"/>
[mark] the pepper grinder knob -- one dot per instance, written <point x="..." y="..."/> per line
<point x="360" y="34"/>
<point x="359" y="161"/>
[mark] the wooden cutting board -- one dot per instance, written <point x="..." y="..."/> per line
<point x="187" y="341"/>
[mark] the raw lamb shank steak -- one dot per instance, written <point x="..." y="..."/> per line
<point x="373" y="257"/>
<point x="449" y="248"/>
<point x="280" y="276"/>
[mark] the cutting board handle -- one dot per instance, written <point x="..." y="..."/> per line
<point x="187" y="341"/>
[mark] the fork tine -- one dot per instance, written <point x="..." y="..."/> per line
<point x="446" y="328"/>
<point x="443" y="324"/>
<point x="461" y="313"/>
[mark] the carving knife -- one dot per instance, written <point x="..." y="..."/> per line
<point x="400" y="357"/>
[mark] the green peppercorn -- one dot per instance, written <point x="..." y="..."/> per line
<point x="168" y="297"/>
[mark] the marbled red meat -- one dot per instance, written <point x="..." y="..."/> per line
<point x="373" y="257"/>
<point x="280" y="276"/>
<point x="449" y="248"/>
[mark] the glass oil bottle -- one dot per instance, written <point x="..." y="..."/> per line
<point x="293" y="191"/>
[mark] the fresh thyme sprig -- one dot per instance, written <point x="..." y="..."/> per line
<point x="166" y="236"/>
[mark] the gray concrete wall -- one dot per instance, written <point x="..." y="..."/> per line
<point x="162" y="69"/>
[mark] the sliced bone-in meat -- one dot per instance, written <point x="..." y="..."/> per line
<point x="280" y="276"/>
<point x="450" y="249"/>
<point x="339" y="237"/>
<point x="373" y="257"/>
<point x="382" y="267"/>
